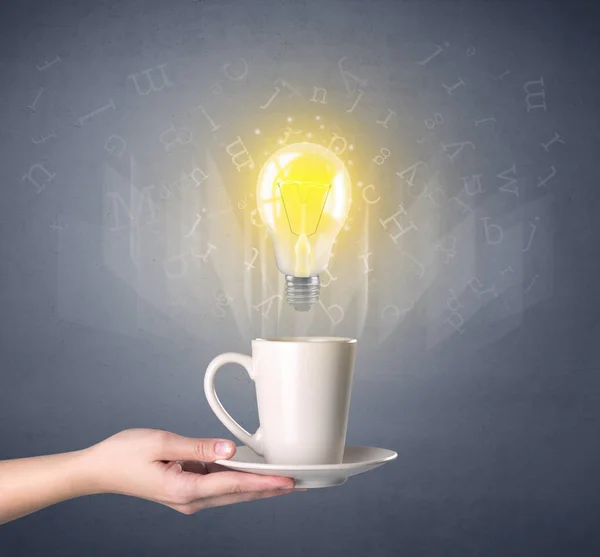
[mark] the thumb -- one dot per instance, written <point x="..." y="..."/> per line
<point x="177" y="447"/>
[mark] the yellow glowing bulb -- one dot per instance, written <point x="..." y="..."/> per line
<point x="303" y="196"/>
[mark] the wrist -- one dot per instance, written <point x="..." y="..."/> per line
<point x="85" y="475"/>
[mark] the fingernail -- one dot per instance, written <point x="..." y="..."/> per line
<point x="286" y="487"/>
<point x="224" y="448"/>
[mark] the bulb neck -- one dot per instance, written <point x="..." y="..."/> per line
<point x="302" y="292"/>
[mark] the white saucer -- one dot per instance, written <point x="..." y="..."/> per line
<point x="356" y="461"/>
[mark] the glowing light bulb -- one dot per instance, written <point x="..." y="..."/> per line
<point x="303" y="195"/>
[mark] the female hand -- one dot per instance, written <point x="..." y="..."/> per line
<point x="176" y="471"/>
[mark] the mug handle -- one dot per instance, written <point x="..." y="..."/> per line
<point x="252" y="441"/>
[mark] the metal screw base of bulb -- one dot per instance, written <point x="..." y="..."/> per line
<point x="302" y="292"/>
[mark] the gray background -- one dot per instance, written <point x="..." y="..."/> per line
<point x="496" y="427"/>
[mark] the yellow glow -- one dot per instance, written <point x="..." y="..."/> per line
<point x="304" y="203"/>
<point x="303" y="197"/>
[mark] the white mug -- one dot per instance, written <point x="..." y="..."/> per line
<point x="303" y="388"/>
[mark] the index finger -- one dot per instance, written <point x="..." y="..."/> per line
<point x="230" y="481"/>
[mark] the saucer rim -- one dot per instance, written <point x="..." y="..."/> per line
<point x="310" y="467"/>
